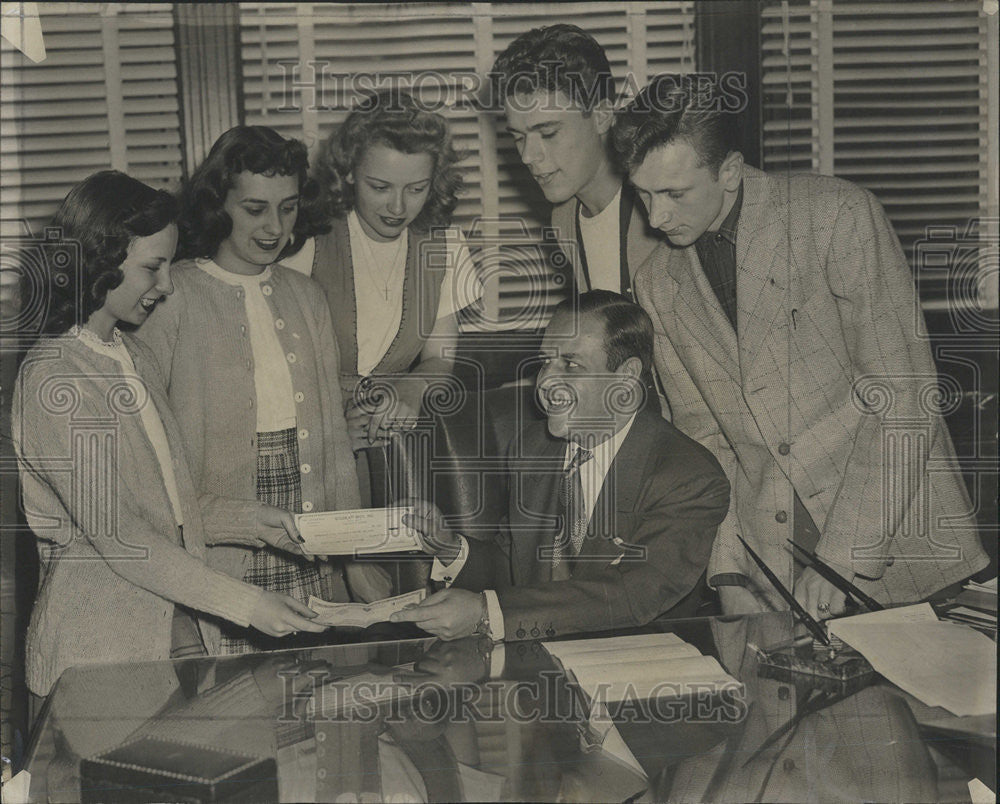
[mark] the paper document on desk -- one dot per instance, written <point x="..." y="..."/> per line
<point x="361" y="615"/>
<point x="917" y="613"/>
<point x="943" y="664"/>
<point x="362" y="531"/>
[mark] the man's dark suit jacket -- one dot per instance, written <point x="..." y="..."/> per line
<point x="647" y="545"/>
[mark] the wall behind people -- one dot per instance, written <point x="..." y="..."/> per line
<point x="126" y="78"/>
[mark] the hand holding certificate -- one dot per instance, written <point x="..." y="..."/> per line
<point x="363" y="531"/>
<point x="361" y="615"/>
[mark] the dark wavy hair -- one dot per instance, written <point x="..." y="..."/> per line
<point x="555" y="57"/>
<point x="204" y="224"/>
<point x="674" y="108"/>
<point x="628" y="329"/>
<point x="394" y="119"/>
<point x="97" y="221"/>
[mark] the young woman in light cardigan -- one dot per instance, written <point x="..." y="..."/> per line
<point x="395" y="272"/>
<point x="123" y="534"/>
<point x="251" y="360"/>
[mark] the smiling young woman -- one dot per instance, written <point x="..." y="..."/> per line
<point x="251" y="359"/>
<point x="122" y="561"/>
<point x="389" y="178"/>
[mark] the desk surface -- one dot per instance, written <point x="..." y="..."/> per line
<point x="459" y="735"/>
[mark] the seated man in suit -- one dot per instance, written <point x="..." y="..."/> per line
<point x="611" y="510"/>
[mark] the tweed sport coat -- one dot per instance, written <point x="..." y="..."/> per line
<point x="826" y="390"/>
<point x="647" y="545"/>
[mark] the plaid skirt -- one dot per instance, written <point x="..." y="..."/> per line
<point x="280" y="484"/>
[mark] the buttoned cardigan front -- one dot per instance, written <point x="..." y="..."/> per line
<point x="201" y="336"/>
<point x="112" y="558"/>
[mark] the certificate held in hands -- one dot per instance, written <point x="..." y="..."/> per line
<point x="361" y="615"/>
<point x="358" y="532"/>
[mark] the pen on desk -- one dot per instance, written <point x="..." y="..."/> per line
<point x="827" y="572"/>
<point x="814" y="627"/>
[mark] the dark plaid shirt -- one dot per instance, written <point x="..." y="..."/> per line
<point x="717" y="254"/>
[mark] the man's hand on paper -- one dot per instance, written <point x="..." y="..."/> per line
<point x="818" y="596"/>
<point x="449" y="614"/>
<point x="435" y="537"/>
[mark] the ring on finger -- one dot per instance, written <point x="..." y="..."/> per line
<point x="823" y="606"/>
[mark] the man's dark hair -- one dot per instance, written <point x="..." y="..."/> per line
<point x="628" y="329"/>
<point x="554" y="57"/>
<point x="674" y="108"/>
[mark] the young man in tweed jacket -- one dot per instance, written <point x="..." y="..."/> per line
<point x="786" y="323"/>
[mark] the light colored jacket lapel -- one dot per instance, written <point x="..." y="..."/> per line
<point x="763" y="266"/>
<point x="700" y="318"/>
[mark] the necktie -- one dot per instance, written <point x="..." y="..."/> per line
<point x="575" y="516"/>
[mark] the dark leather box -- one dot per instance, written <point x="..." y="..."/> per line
<point x="151" y="769"/>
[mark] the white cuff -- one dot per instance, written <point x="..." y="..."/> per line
<point x="448" y="573"/>
<point x="498" y="659"/>
<point x="495" y="614"/>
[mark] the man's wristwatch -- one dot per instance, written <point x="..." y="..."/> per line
<point x="483" y="626"/>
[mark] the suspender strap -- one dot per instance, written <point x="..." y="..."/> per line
<point x="581" y="250"/>
<point x="624" y="217"/>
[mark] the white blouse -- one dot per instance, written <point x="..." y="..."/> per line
<point x="272" y="380"/>
<point x="148" y="414"/>
<point x="379" y="269"/>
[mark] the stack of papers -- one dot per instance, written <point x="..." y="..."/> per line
<point x="943" y="664"/>
<point x="361" y="615"/>
<point x="639" y="667"/>
<point x="989" y="587"/>
<point x="976" y="605"/>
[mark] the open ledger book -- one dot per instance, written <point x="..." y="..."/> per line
<point x="639" y="667"/>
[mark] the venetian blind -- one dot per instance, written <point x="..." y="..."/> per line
<point x="891" y="96"/>
<point x="105" y="96"/>
<point x="440" y="51"/>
